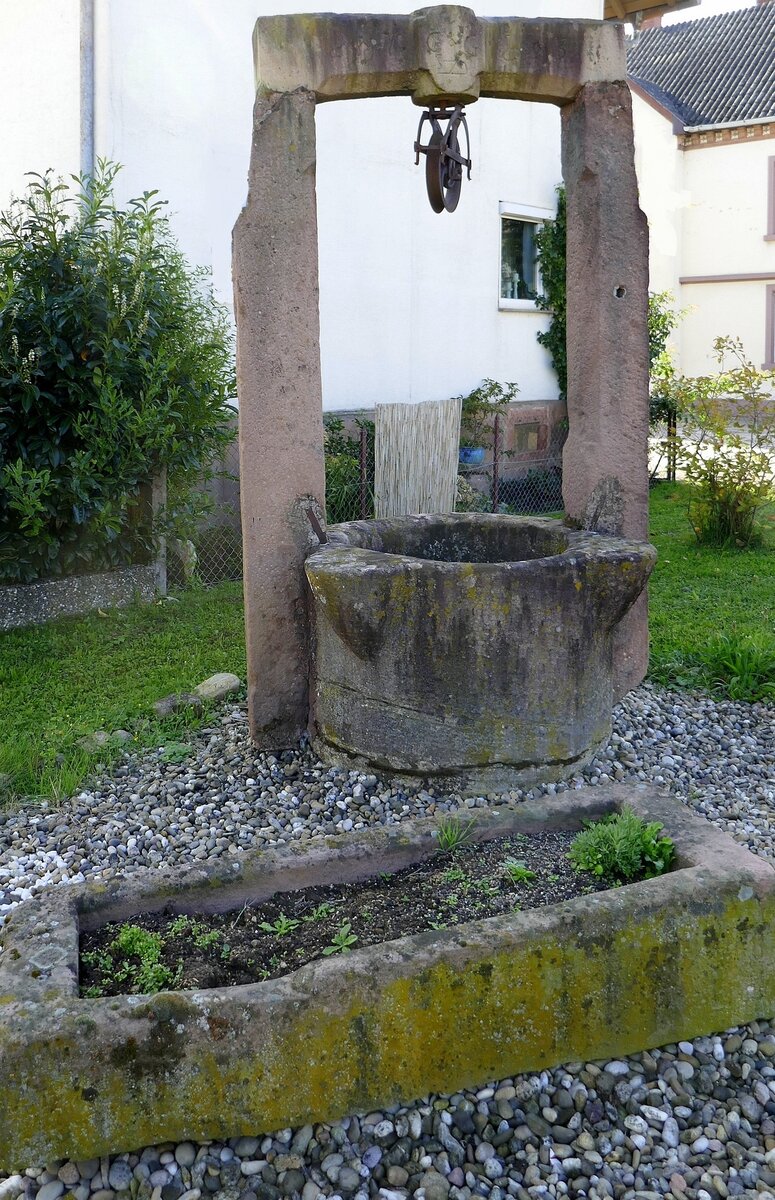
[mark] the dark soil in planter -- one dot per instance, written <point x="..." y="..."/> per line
<point x="273" y="938"/>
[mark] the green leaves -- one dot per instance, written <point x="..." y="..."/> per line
<point x="115" y="361"/>
<point x="726" y="446"/>
<point x="551" y="247"/>
<point x="622" y="848"/>
<point x="342" y="941"/>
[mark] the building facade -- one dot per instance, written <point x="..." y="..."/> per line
<point x="704" y="116"/>
<point x="414" y="305"/>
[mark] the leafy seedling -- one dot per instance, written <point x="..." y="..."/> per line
<point x="319" y="914"/>
<point x="517" y="871"/>
<point x="281" y="926"/>
<point x="453" y="875"/>
<point x="175" y="752"/>
<point x="342" y="940"/>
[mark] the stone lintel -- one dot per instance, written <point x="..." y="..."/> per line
<point x="437" y="53"/>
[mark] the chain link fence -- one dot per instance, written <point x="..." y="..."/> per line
<point x="520" y="472"/>
<point x="213" y="553"/>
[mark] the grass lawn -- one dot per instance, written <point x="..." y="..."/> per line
<point x="698" y="594"/>
<point x="62" y="681"/>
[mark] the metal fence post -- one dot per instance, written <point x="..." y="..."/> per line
<point x="362" y="490"/>
<point x="496" y="449"/>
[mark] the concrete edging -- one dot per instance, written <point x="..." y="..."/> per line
<point x="27" y="604"/>
<point x="596" y="977"/>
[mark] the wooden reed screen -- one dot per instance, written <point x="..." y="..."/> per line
<point x="416" y="449"/>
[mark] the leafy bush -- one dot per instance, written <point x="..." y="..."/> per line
<point x="115" y="362"/>
<point x="728" y="448"/>
<point x="621" y="848"/>
<point x="480" y="407"/>
<point x="343" y="471"/>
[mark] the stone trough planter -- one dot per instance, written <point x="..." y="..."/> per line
<point x="595" y="977"/>
<point x="471" y="646"/>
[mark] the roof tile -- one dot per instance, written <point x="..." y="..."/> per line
<point x="710" y="71"/>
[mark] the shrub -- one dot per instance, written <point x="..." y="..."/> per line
<point x="343" y="471"/>
<point x="728" y="450"/>
<point x="621" y="848"/>
<point x="115" y="362"/>
<point x="480" y="407"/>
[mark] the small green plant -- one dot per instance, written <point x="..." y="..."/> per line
<point x="517" y="871"/>
<point x="147" y="973"/>
<point x="486" y="887"/>
<point x="280" y="927"/>
<point x="175" y="752"/>
<point x="453" y="833"/>
<point x="319" y="914"/>
<point x="342" y="940"/>
<point x="180" y="926"/>
<point x="741" y="668"/>
<point x="438" y="924"/>
<point x="480" y="407"/>
<point x="622" y="847"/>
<point x="453" y="875"/>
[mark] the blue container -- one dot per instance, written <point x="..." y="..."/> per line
<point x="471" y="456"/>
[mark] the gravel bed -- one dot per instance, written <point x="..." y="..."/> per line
<point x="695" y="1120"/>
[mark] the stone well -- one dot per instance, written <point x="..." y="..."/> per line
<point x="472" y="646"/>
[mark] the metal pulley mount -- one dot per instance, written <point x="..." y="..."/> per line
<point x="444" y="162"/>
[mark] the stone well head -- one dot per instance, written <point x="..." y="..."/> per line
<point x="432" y="56"/>
<point x="475" y="648"/>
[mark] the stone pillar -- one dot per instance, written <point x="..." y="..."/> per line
<point x="275" y="268"/>
<point x="605" y="462"/>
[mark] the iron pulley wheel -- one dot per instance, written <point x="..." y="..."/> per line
<point x="444" y="162"/>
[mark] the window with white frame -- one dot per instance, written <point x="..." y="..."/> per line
<point x="520" y="280"/>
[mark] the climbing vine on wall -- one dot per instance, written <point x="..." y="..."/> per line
<point x="550" y="241"/>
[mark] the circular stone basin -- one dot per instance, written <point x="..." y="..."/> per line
<point x="472" y="646"/>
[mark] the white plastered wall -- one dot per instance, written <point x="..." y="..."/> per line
<point x="726" y="236"/>
<point x="707" y="213"/>
<point x="408" y="298"/>
<point x="39" y="90"/>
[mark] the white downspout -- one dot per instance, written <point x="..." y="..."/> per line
<point x="88" y="160"/>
